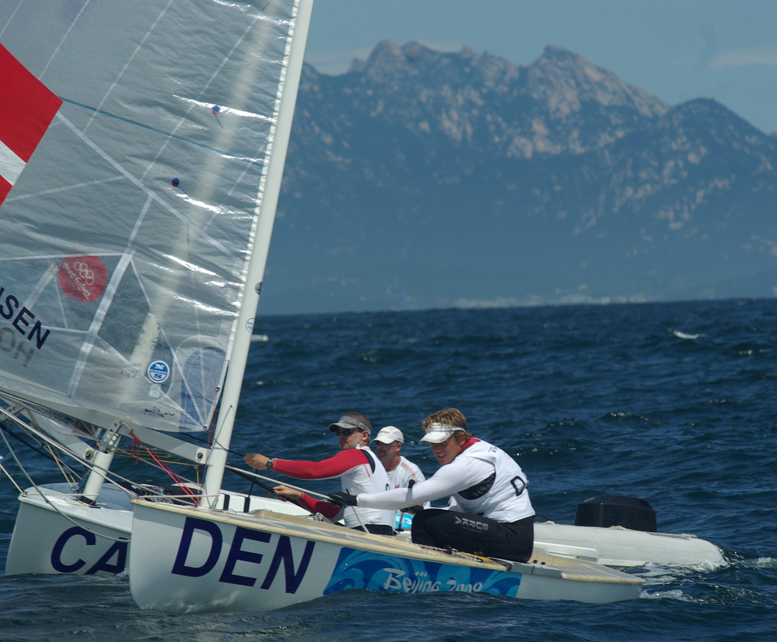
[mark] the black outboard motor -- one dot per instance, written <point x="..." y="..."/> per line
<point x="616" y="510"/>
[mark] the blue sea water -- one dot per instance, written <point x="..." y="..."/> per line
<point x="672" y="402"/>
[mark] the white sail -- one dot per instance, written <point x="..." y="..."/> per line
<point x="126" y="239"/>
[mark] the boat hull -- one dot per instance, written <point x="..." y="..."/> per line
<point x="66" y="536"/>
<point x="203" y="560"/>
<point x="618" y="546"/>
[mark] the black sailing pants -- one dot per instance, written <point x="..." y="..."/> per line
<point x="474" y="534"/>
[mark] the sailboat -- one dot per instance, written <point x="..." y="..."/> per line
<point x="132" y="148"/>
<point x="135" y="225"/>
<point x="203" y="558"/>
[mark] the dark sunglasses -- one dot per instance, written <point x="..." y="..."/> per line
<point x="347" y="432"/>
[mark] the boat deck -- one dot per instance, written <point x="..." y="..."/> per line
<point x="541" y="564"/>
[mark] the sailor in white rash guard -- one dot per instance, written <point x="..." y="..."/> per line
<point x="490" y="512"/>
<point x="401" y="471"/>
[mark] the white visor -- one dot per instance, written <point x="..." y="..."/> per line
<point x="438" y="433"/>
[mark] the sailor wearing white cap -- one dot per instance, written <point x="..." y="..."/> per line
<point x="490" y="512"/>
<point x="401" y="471"/>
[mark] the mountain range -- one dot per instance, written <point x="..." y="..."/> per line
<point x="422" y="179"/>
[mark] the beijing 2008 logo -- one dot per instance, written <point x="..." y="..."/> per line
<point x="158" y="372"/>
<point x="83" y="278"/>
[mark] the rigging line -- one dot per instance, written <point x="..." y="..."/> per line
<point x="106" y="473"/>
<point x="61" y="42"/>
<point x="248" y="477"/>
<point x="47" y="500"/>
<point x="275" y="481"/>
<point x="129" y="61"/>
<point x="150" y="462"/>
<point x="38" y="449"/>
<point x="138" y="456"/>
<point x="60" y="465"/>
<point x="13" y="481"/>
<point x="266" y="487"/>
<point x="182" y="217"/>
<point x="253" y="478"/>
<point x="176" y="479"/>
<point x="48" y="440"/>
<point x="356" y="514"/>
<point x="207" y="443"/>
<point x="226" y="414"/>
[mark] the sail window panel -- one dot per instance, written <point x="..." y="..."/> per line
<point x="202" y="378"/>
<point x="125" y="318"/>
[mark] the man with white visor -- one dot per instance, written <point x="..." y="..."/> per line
<point x="490" y="513"/>
<point x="401" y="471"/>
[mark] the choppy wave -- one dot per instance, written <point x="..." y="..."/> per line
<point x="589" y="400"/>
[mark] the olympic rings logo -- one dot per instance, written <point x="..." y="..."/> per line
<point x="84" y="273"/>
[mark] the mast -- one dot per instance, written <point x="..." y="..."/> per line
<point x="265" y="218"/>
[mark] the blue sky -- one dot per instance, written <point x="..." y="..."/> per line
<point x="677" y="50"/>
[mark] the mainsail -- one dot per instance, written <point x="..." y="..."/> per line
<point x="125" y="241"/>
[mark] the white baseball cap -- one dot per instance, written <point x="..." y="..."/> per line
<point x="389" y="435"/>
<point x="438" y="433"/>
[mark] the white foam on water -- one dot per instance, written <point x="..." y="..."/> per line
<point x="674" y="594"/>
<point x="765" y="562"/>
<point x="683" y="335"/>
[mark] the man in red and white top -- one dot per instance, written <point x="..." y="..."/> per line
<point x="401" y="471"/>
<point x="490" y="512"/>
<point x="359" y="470"/>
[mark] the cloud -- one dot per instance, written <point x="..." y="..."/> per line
<point x="745" y="58"/>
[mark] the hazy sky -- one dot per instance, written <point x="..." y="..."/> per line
<point x="676" y="49"/>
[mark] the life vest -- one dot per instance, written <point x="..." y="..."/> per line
<point x="403" y="473"/>
<point x="506" y="498"/>
<point x="366" y="478"/>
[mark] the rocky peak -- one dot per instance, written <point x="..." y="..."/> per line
<point x="385" y="61"/>
<point x="565" y="81"/>
<point x="556" y="175"/>
<point x="559" y="104"/>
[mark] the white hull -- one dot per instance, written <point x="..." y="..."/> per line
<point x="68" y="537"/>
<point x="618" y="546"/>
<point x="191" y="559"/>
<point x="44" y="541"/>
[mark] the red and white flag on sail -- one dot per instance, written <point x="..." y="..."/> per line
<point x="27" y="108"/>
